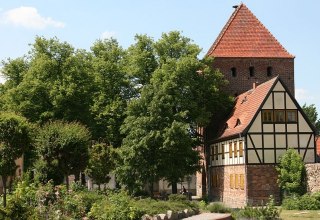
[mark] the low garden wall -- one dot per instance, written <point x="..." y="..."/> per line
<point x="313" y="177"/>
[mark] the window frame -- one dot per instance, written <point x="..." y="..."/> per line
<point x="276" y="114"/>
<point x="222" y="151"/>
<point x="241" y="148"/>
<point x="295" y="116"/>
<point x="267" y="116"/>
<point x="230" y="150"/>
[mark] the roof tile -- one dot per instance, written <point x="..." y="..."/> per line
<point x="245" y="107"/>
<point x="245" y="36"/>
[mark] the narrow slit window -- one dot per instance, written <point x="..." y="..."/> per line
<point x="234" y="72"/>
<point x="217" y="152"/>
<point x="251" y="71"/>
<point x="222" y="151"/>
<point x="269" y="71"/>
<point x="240" y="149"/>
<point x="230" y="150"/>
<point x="231" y="181"/>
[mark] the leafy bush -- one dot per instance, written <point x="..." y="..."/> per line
<point x="291" y="203"/>
<point x="177" y="198"/>
<point x="292" y="173"/>
<point x="218" y="207"/>
<point x="268" y="212"/>
<point x="117" y="206"/>
<point x="305" y="202"/>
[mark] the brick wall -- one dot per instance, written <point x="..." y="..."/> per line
<point x="243" y="81"/>
<point x="318" y="148"/>
<point x="262" y="182"/>
<point x="233" y="197"/>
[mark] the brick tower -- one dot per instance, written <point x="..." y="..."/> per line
<point x="246" y="53"/>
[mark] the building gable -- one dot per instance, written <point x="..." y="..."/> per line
<point x="279" y="124"/>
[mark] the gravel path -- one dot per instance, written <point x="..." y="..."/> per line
<point x="209" y="216"/>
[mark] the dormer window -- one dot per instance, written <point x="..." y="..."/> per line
<point x="234" y="72"/>
<point x="238" y="122"/>
<point x="269" y="71"/>
<point x="251" y="71"/>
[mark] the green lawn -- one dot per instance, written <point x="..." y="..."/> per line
<point x="299" y="214"/>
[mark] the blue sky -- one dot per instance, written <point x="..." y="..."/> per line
<point x="296" y="24"/>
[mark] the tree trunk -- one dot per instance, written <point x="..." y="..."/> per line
<point x="67" y="182"/>
<point x="77" y="177"/>
<point x="151" y="188"/>
<point x="174" y="186"/>
<point x="83" y="179"/>
<point x="4" y="183"/>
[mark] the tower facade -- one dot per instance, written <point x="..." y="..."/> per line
<point x="247" y="53"/>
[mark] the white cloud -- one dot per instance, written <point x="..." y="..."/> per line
<point x="303" y="95"/>
<point x="108" y="34"/>
<point x="29" y="17"/>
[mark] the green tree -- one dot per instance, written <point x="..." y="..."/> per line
<point x="140" y="62"/>
<point x="56" y="83"/>
<point x="161" y="126"/>
<point x="15" y="136"/>
<point x="112" y="90"/>
<point x="291" y="173"/>
<point x="64" y="146"/>
<point x="100" y="163"/>
<point x="13" y="70"/>
<point x="312" y="114"/>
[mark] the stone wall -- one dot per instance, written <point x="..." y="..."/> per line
<point x="262" y="182"/>
<point x="221" y="188"/>
<point x="313" y="177"/>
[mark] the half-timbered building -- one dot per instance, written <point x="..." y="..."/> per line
<point x="265" y="122"/>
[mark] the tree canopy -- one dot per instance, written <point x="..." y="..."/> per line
<point x="312" y="114"/>
<point x="161" y="125"/>
<point x="64" y="146"/>
<point x="15" y="136"/>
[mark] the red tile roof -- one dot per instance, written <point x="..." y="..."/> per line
<point x="245" y="107"/>
<point x="245" y="36"/>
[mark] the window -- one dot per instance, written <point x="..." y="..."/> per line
<point x="212" y="152"/>
<point x="269" y="71"/>
<point x="238" y="122"/>
<point x="235" y="149"/>
<point x="234" y="72"/>
<point x="292" y="116"/>
<point x="241" y="181"/>
<point x="267" y="116"/>
<point x="231" y="181"/>
<point x="216" y="152"/>
<point x="230" y="150"/>
<point x="279" y="116"/>
<point x="251" y="71"/>
<point x="236" y="181"/>
<point x="240" y="149"/>
<point x="222" y="151"/>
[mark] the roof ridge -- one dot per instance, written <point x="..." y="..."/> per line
<point x="224" y="29"/>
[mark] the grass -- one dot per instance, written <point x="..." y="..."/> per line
<point x="299" y="214"/>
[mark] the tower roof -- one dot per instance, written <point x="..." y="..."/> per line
<point x="245" y="36"/>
